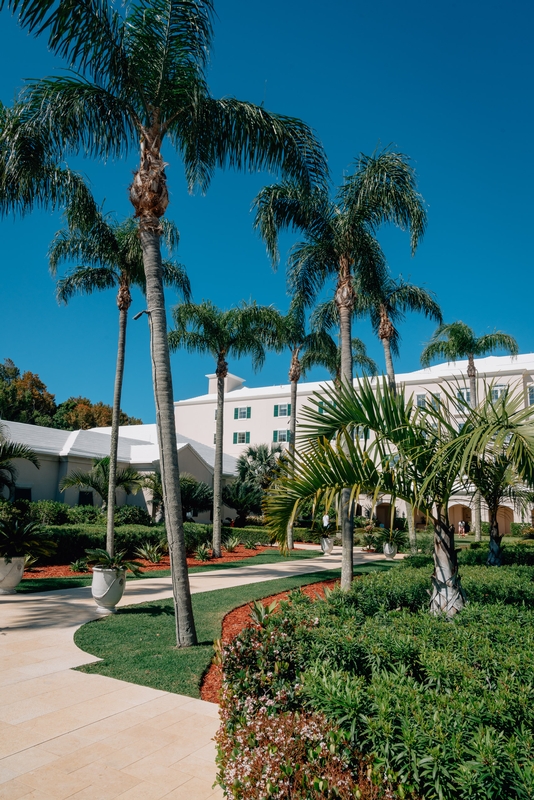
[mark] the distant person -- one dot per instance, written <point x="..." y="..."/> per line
<point x="461" y="528"/>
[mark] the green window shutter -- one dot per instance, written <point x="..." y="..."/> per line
<point x="248" y="412"/>
<point x="289" y="409"/>
<point x="235" y="438"/>
<point x="236" y="413"/>
<point x="247" y="437"/>
<point x="289" y="436"/>
<point x="275" y="433"/>
<point x="275" y="413"/>
<point x="321" y="407"/>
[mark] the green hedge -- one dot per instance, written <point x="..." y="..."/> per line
<point x="521" y="554"/>
<point x="425" y="706"/>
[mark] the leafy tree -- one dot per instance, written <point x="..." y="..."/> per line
<point x="8" y="452"/>
<point x="108" y="255"/>
<point x="24" y="398"/>
<point x="340" y="242"/>
<point x="245" y="330"/>
<point x="196" y="495"/>
<point x="97" y="479"/>
<point x="80" y="413"/>
<point x="258" y="464"/>
<point x="138" y="76"/>
<point x="245" y="498"/>
<point x="457" y="340"/>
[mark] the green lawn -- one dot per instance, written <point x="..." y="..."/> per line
<point x="138" y="644"/>
<point x="273" y="556"/>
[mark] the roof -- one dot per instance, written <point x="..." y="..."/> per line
<point x="490" y="366"/>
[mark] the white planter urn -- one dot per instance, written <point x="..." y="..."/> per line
<point x="327" y="545"/>
<point x="390" y="550"/>
<point x="107" y="588"/>
<point x="11" y="574"/>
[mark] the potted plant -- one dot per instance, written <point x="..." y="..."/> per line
<point x="109" y="578"/>
<point x="391" y="540"/>
<point x="17" y="540"/>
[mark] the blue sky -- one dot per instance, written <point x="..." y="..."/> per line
<point x="450" y="84"/>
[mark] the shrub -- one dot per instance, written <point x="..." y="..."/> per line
<point x="231" y="544"/>
<point x="441" y="709"/>
<point x="307" y="535"/>
<point x="518" y="528"/>
<point x="203" y="553"/>
<point x="15" y="510"/>
<point x="251" y="537"/>
<point x="49" y="512"/>
<point x="132" y="515"/>
<point x="149" y="551"/>
<point x="86" y="515"/>
<point x="196" y="535"/>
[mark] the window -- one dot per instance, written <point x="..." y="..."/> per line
<point x="464" y="394"/>
<point x="283" y="410"/>
<point x="531" y="395"/>
<point x="360" y="433"/>
<point x="461" y="426"/>
<point x="85" y="499"/>
<point x="498" y="391"/>
<point x="435" y="401"/>
<point x="242" y="413"/>
<point x="22" y="494"/>
<point x="241" y="437"/>
<point x="421" y="400"/>
<point x="281" y="436"/>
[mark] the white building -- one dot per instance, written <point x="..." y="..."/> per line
<point x="261" y="415"/>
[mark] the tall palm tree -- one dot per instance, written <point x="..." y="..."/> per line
<point x="111" y="257"/>
<point x="99" y="480"/>
<point x="340" y="242"/>
<point x="245" y="330"/>
<point x="137" y="77"/>
<point x="457" y="340"/>
<point x="8" y="452"/>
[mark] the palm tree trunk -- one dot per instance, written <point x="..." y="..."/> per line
<point x="447" y="594"/>
<point x="477" y="499"/>
<point x="345" y="303"/>
<point x="218" y="466"/>
<point x="495" y="551"/>
<point x="412" y="533"/>
<point x="292" y="434"/>
<point x="170" y="472"/>
<point x="124" y="301"/>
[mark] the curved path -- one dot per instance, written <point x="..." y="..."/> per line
<point x="67" y="734"/>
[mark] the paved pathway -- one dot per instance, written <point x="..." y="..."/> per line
<point x="65" y="734"/>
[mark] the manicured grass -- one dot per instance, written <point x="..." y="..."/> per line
<point x="138" y="644"/>
<point x="29" y="585"/>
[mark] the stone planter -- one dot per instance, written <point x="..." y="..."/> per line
<point x="107" y="588"/>
<point x="390" y="550"/>
<point x="11" y="574"/>
<point x="327" y="545"/>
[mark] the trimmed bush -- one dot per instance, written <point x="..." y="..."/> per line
<point x="84" y="515"/>
<point x="440" y="709"/>
<point x="49" y="512"/>
<point x="132" y="515"/>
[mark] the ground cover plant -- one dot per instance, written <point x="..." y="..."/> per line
<point x="137" y="645"/>
<point x="427" y="707"/>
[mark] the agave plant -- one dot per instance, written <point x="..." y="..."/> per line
<point x="203" y="553"/>
<point x="118" y="561"/>
<point x="80" y="565"/>
<point x="150" y="552"/>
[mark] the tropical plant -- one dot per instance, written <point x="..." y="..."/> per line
<point x="97" y="479"/>
<point x="196" y="495"/>
<point x="231" y="544"/>
<point x="340" y="242"/>
<point x="8" y="452"/>
<point x="150" y="551"/>
<point x="80" y="565"/>
<point x="243" y="498"/>
<point x="257" y="465"/>
<point x="18" y="538"/>
<point x="245" y="330"/>
<point x="118" y="561"/>
<point x="454" y="341"/>
<point x="202" y="553"/>
<point x="154" y="483"/>
<point x="138" y="75"/>
<point x="108" y="254"/>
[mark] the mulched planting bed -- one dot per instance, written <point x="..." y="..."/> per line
<point x="239" y="618"/>
<point x="64" y="571"/>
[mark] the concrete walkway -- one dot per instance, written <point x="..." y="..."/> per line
<point x="65" y="734"/>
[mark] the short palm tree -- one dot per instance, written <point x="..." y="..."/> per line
<point x="153" y="483"/>
<point x="454" y="341"/>
<point x="340" y="242"/>
<point x="257" y="465"/>
<point x="138" y="77"/>
<point x="244" y="498"/>
<point x="245" y="330"/>
<point x="9" y="451"/>
<point x="196" y="495"/>
<point x="98" y="479"/>
<point x="109" y="255"/>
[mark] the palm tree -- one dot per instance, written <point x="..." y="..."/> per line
<point x="8" y="452"/>
<point x="258" y="464"/>
<point x="245" y="330"/>
<point x="98" y="479"/>
<point x="154" y="484"/>
<point x="196" y="495"/>
<point x="457" y="340"/>
<point x="111" y="257"/>
<point x="138" y="76"/>
<point x="340" y="242"/>
<point x="243" y="498"/>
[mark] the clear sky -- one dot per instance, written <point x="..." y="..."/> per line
<point x="448" y="83"/>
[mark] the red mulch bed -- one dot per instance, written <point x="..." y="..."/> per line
<point x="64" y="570"/>
<point x="233" y="624"/>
